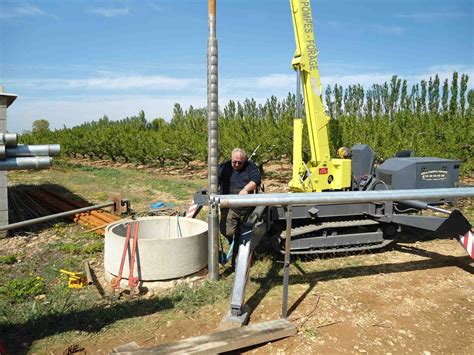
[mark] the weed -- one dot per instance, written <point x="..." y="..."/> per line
<point x="9" y="259"/>
<point x="22" y="289"/>
<point x="310" y="332"/>
<point x="93" y="248"/>
<point x="71" y="248"/>
<point x="76" y="248"/>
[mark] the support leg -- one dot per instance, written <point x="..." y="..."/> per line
<point x="286" y="267"/>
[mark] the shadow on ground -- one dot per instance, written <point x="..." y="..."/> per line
<point x="27" y="202"/>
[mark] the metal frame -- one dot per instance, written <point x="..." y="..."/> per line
<point x="288" y="201"/>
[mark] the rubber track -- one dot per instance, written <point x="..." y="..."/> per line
<point x="340" y="249"/>
<point x="311" y="228"/>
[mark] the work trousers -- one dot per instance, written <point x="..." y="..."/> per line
<point x="231" y="223"/>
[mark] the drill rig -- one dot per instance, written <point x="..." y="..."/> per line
<point x="352" y="227"/>
<point x="345" y="226"/>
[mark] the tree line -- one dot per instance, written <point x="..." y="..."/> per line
<point x="432" y="118"/>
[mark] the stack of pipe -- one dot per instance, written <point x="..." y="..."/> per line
<point x="14" y="156"/>
<point x="96" y="220"/>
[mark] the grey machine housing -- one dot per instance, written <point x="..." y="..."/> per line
<point x="417" y="173"/>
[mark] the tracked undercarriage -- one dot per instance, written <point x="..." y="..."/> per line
<point x="336" y="237"/>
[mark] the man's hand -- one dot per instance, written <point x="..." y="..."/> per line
<point x="250" y="187"/>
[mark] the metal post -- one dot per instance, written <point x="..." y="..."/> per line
<point x="6" y="140"/>
<point x="286" y="266"/>
<point x="54" y="216"/>
<point x="213" y="150"/>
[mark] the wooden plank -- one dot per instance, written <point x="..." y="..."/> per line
<point x="227" y="340"/>
<point x="125" y="348"/>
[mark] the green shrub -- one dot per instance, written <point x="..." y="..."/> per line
<point x="9" y="259"/>
<point x="22" y="289"/>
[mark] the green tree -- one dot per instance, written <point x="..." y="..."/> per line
<point x="462" y="93"/>
<point x="444" y="99"/>
<point x="40" y="125"/>
<point x="453" y="103"/>
<point x="470" y="101"/>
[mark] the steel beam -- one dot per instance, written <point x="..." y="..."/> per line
<point x="306" y="198"/>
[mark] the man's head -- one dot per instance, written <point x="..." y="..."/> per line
<point x="238" y="158"/>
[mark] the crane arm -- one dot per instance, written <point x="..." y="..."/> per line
<point x="320" y="172"/>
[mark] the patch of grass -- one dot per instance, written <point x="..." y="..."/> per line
<point x="190" y="299"/>
<point x="21" y="289"/>
<point x="94" y="248"/>
<point x="71" y="248"/>
<point x="9" y="259"/>
<point x="95" y="183"/>
<point x="77" y="248"/>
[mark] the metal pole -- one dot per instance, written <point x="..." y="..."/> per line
<point x="54" y="216"/>
<point x="23" y="150"/>
<point x="87" y="269"/>
<point x="306" y="198"/>
<point x="213" y="148"/>
<point x="286" y="265"/>
<point x="25" y="163"/>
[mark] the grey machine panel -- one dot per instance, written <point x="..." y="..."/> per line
<point x="417" y="173"/>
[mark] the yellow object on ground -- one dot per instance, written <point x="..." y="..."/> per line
<point x="75" y="279"/>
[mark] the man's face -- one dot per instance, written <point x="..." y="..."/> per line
<point x="237" y="161"/>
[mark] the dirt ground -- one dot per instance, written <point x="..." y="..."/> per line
<point x="413" y="298"/>
<point x="416" y="296"/>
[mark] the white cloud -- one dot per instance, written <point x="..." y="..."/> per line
<point x="74" y="111"/>
<point x="446" y="71"/>
<point x="111" y="82"/>
<point x="272" y="84"/>
<point x="109" y="11"/>
<point x="155" y="5"/>
<point x="369" y="78"/>
<point x="432" y="16"/>
<point x="22" y="10"/>
<point x="390" y="30"/>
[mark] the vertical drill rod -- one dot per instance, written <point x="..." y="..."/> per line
<point x="213" y="150"/>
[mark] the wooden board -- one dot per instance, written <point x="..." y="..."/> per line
<point x="227" y="340"/>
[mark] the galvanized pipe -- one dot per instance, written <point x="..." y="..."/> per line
<point x="87" y="269"/>
<point x="213" y="148"/>
<point x="34" y="150"/>
<point x="54" y="216"/>
<point x="285" y="199"/>
<point x="9" y="139"/>
<point x="25" y="163"/>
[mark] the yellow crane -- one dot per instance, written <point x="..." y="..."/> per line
<point x="321" y="172"/>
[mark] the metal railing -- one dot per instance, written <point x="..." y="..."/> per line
<point x="306" y="198"/>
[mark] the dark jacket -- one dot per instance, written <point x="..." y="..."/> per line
<point x="232" y="181"/>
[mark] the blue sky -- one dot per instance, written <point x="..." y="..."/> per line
<point x="75" y="61"/>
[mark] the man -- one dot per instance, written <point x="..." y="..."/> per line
<point x="236" y="176"/>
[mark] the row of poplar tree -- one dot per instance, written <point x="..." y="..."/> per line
<point x="431" y="118"/>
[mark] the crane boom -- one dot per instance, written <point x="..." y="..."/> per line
<point x="320" y="172"/>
